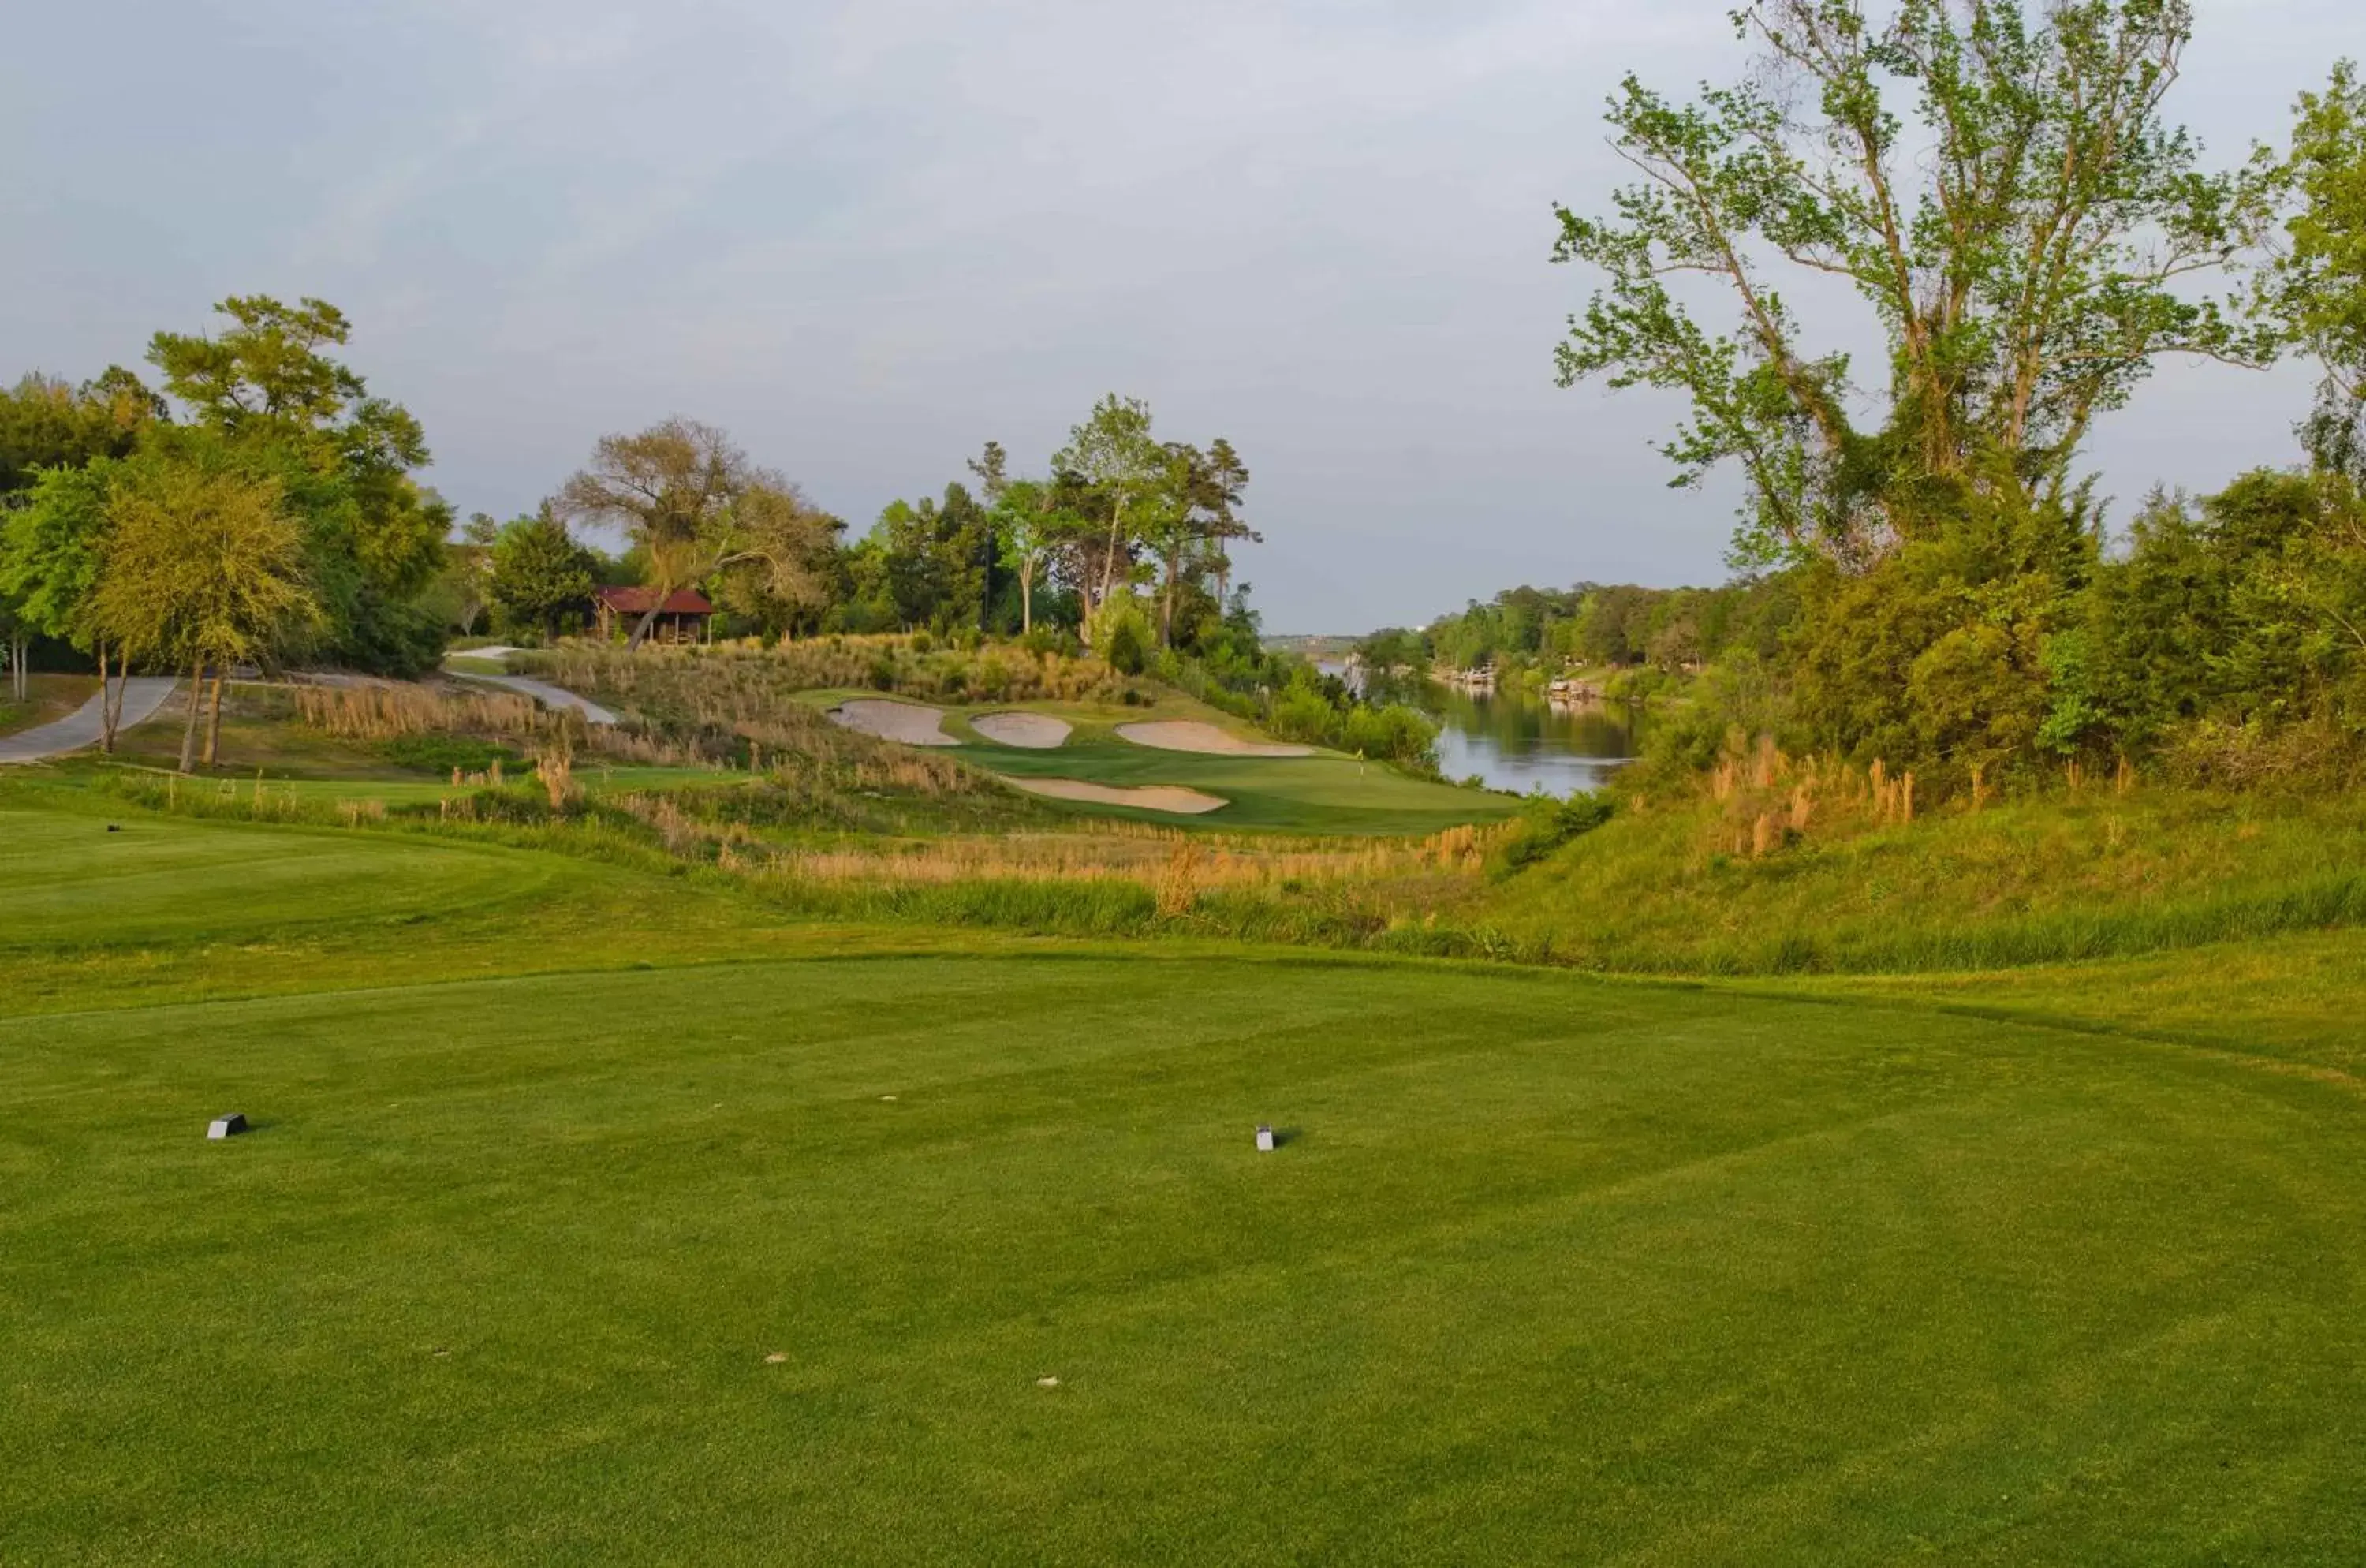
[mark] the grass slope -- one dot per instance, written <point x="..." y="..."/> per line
<point x="2027" y="883"/>
<point x="1549" y="1269"/>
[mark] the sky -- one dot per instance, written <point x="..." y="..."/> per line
<point x="867" y="238"/>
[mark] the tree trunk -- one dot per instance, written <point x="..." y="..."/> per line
<point x="1109" y="563"/>
<point x="1166" y="601"/>
<point x="649" y="619"/>
<point x="106" y="707"/>
<point x="1026" y="597"/>
<point x="189" y="725"/>
<point x="122" y="686"/>
<point x="213" y="722"/>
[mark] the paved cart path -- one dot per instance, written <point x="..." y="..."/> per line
<point x="143" y="695"/>
<point x="546" y="694"/>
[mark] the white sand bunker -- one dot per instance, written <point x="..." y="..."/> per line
<point x="1150" y="798"/>
<point x="1191" y="735"/>
<point x="1036" y="731"/>
<point x="907" y="722"/>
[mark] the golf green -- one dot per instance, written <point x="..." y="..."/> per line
<point x="1322" y="794"/>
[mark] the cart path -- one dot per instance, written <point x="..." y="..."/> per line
<point x="546" y="694"/>
<point x="143" y="695"/>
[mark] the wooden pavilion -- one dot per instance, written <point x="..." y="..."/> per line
<point x="685" y="616"/>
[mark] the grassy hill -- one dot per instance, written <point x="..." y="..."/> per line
<point x="596" y="1213"/>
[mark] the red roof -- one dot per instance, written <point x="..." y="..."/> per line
<point x="636" y="600"/>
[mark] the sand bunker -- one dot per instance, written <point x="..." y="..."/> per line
<point x="907" y="722"/>
<point x="1036" y="731"/>
<point x="1191" y="735"/>
<point x="1150" y="798"/>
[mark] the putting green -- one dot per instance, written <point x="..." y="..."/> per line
<point x="1323" y="794"/>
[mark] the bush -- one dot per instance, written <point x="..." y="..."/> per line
<point x="1547" y="824"/>
<point x="1125" y="651"/>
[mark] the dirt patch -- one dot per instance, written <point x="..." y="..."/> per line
<point x="1036" y="731"/>
<point x="1150" y="798"/>
<point x="907" y="722"/>
<point x="1191" y="735"/>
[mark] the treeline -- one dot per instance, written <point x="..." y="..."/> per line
<point x="1953" y="599"/>
<point x="1601" y="626"/>
<point x="260" y="504"/>
<point x="1121" y="528"/>
<point x="260" y="507"/>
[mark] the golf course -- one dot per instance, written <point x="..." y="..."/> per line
<point x="590" y="1214"/>
<point x="1356" y="786"/>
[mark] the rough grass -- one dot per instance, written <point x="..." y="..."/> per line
<point x="568" y="1247"/>
<point x="2096" y="874"/>
<point x="736" y="683"/>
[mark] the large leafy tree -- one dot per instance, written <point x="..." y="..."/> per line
<point x="2002" y="193"/>
<point x="46" y="424"/>
<point x="1032" y="522"/>
<point x="1189" y="519"/>
<point x="537" y="572"/>
<point x="1113" y="461"/>
<point x="345" y="460"/>
<point x="203" y="567"/>
<point x="693" y="506"/>
<point x="2024" y="227"/>
<point x="51" y="546"/>
<point x="2314" y="288"/>
<point x="931" y="559"/>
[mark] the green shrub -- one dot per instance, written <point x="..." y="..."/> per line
<point x="1547" y="824"/>
<point x="442" y="753"/>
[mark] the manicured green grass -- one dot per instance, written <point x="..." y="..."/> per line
<point x="69" y="881"/>
<point x="1309" y="795"/>
<point x="602" y="1262"/>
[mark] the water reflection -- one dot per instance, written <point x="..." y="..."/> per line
<point x="1517" y="742"/>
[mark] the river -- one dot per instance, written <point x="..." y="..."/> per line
<point x="1518" y="743"/>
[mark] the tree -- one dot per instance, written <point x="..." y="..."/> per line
<point x="2024" y="273"/>
<point x="2025" y="259"/>
<point x="463" y="588"/>
<point x="16" y="647"/>
<point x="1030" y="522"/>
<point x="45" y="424"/>
<point x="2314" y="288"/>
<point x="202" y="566"/>
<point x="681" y="492"/>
<point x="1186" y="518"/>
<point x="1223" y="480"/>
<point x="537" y="572"/>
<point x="1112" y="458"/>
<point x="786" y="579"/>
<point x="50" y="550"/>
<point x="344" y="460"/>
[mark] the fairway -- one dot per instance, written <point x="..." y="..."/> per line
<point x="72" y="879"/>
<point x="742" y="1262"/>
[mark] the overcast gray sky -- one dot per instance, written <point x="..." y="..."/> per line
<point x="866" y="238"/>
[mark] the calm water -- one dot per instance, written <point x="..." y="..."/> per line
<point x="1517" y="743"/>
